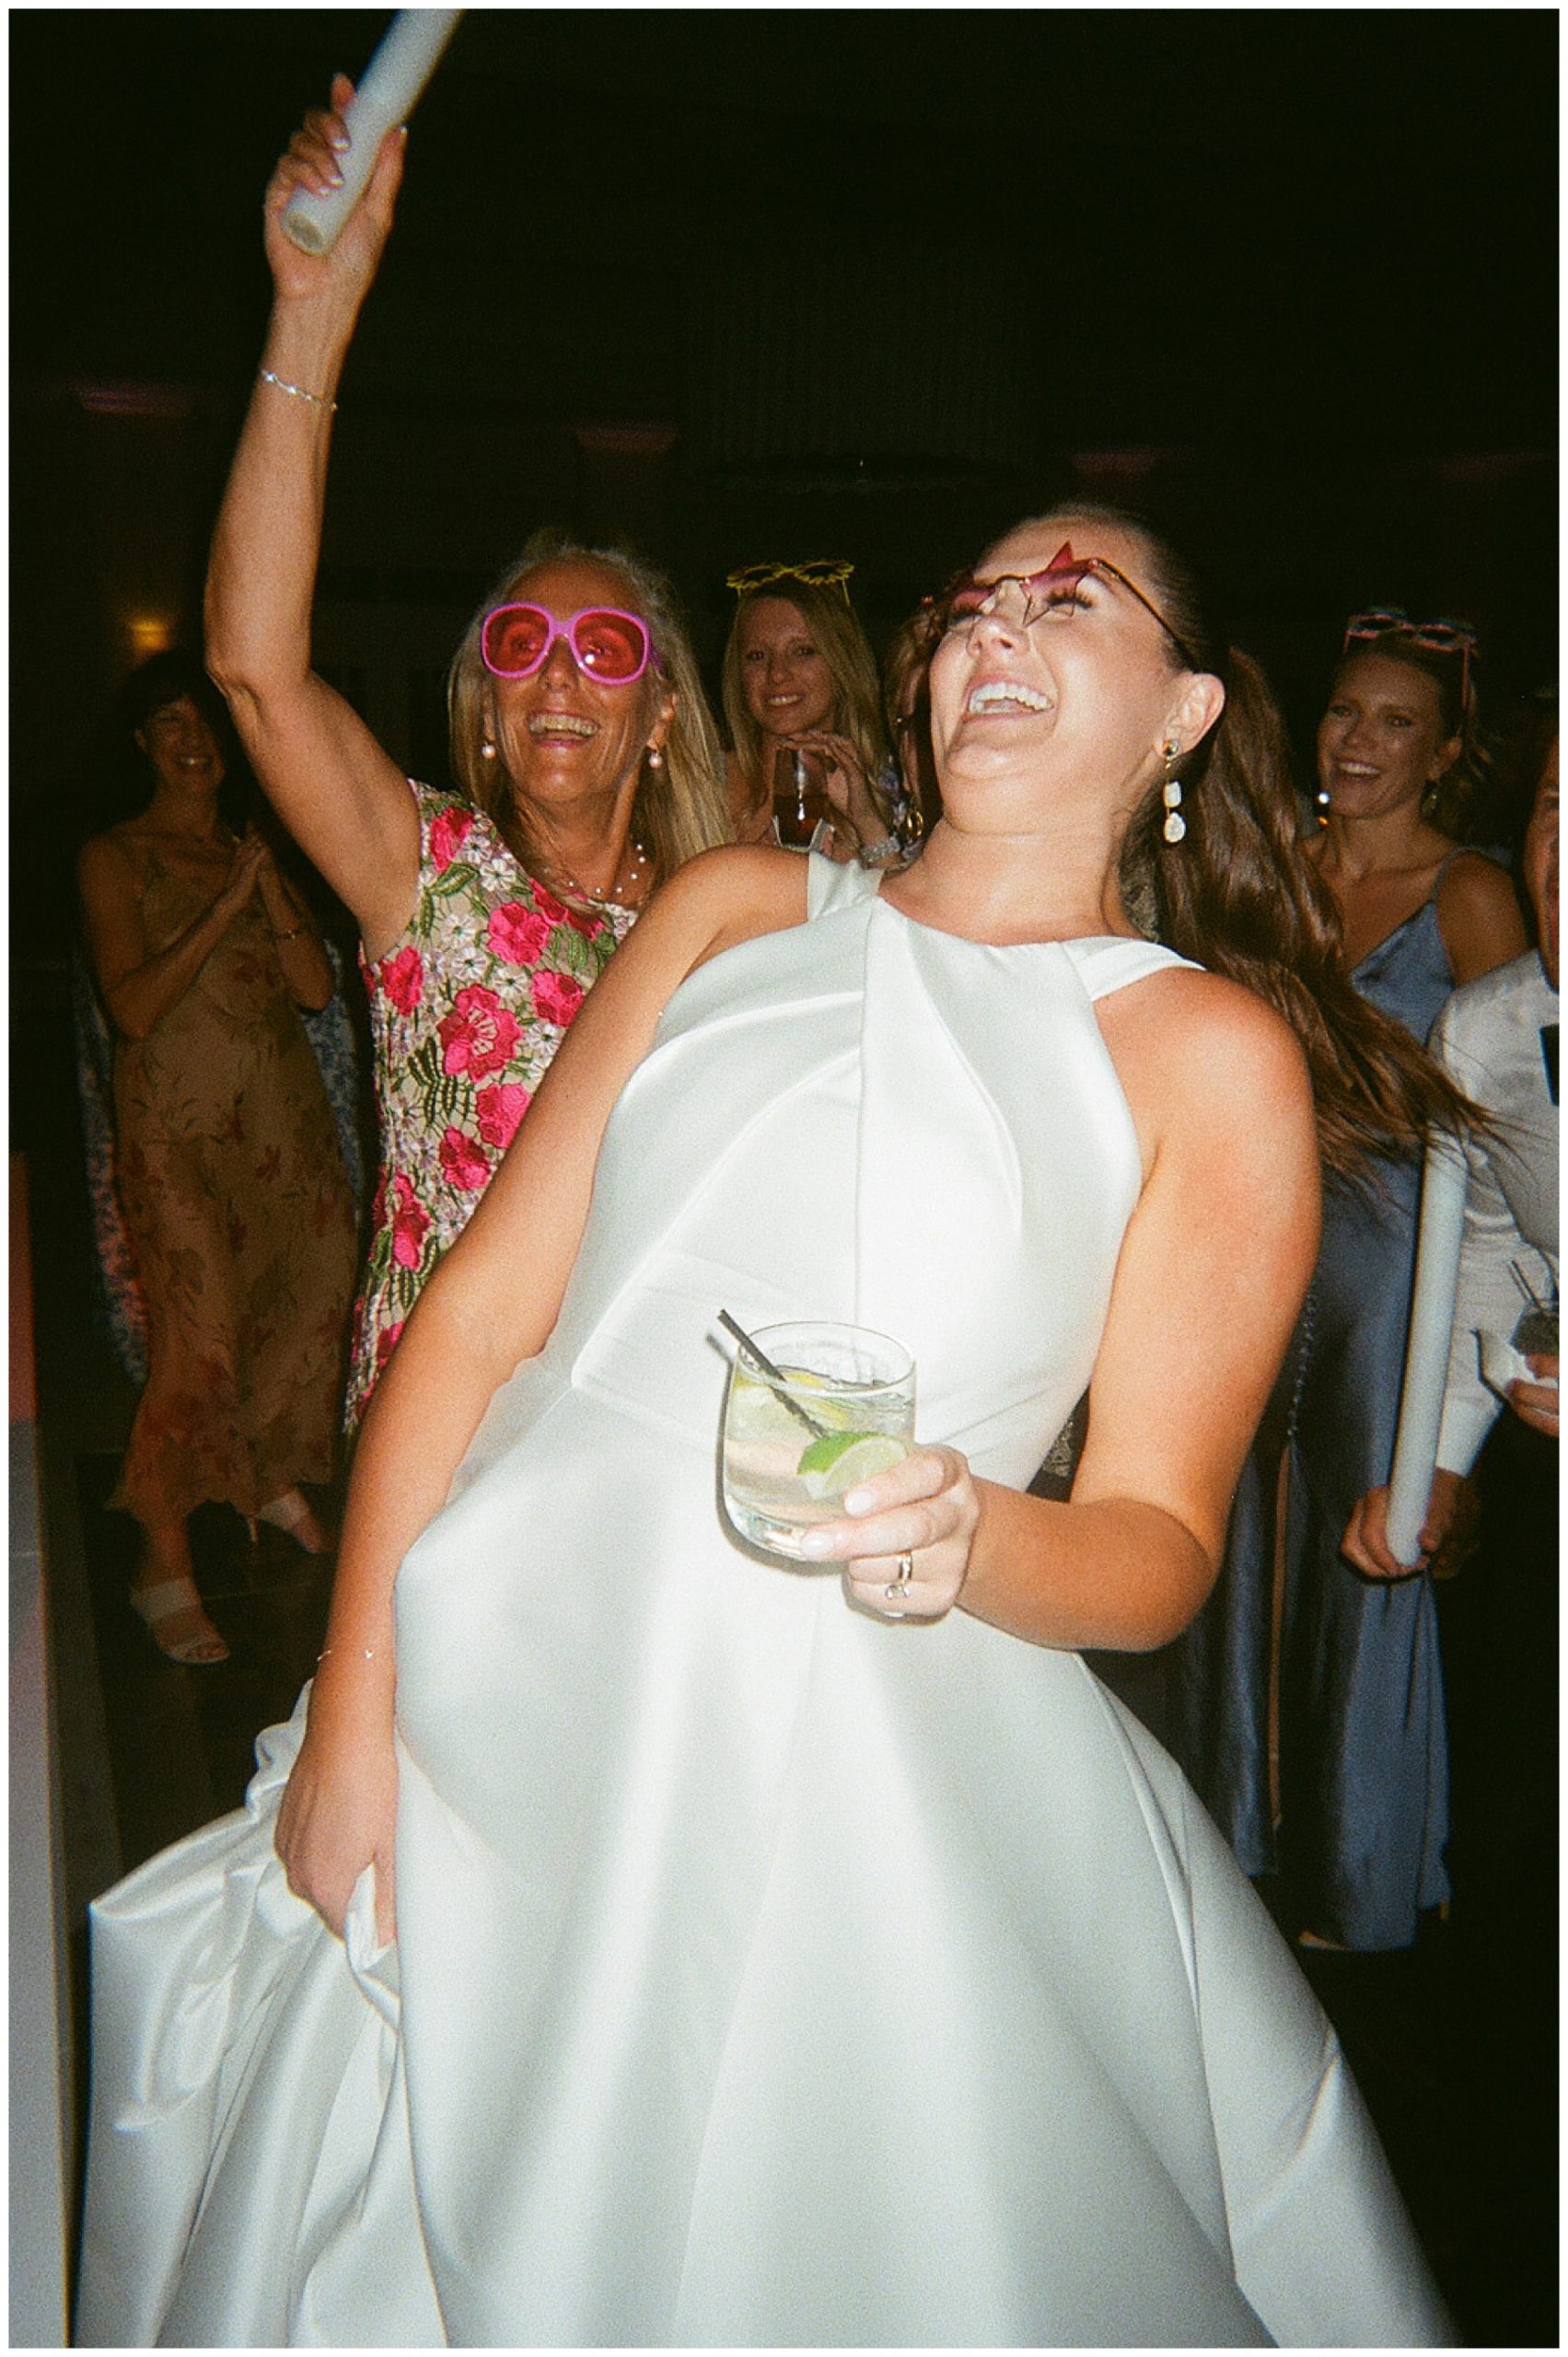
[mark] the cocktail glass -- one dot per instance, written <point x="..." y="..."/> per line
<point x="840" y="1410"/>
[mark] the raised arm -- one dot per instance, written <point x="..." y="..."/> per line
<point x="492" y="1303"/>
<point x="1212" y="1273"/>
<point x="339" y="793"/>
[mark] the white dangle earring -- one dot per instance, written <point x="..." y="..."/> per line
<point x="486" y="749"/>
<point x="1170" y="795"/>
<point x="655" y="758"/>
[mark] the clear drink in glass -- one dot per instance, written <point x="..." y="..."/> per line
<point x="843" y="1413"/>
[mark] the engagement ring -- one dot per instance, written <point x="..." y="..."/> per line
<point x="896" y="1592"/>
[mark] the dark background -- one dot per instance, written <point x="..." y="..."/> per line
<point x="793" y="283"/>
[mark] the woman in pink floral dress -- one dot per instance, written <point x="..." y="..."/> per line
<point x="466" y="1011"/>
<point x="587" y="768"/>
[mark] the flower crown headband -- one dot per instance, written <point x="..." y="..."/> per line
<point x="818" y="573"/>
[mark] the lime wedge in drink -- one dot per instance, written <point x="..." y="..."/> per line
<point x="756" y="1413"/>
<point x="833" y="1466"/>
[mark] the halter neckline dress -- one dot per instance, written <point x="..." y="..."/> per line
<point x="767" y="1973"/>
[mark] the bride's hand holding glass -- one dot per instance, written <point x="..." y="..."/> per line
<point x="906" y="1537"/>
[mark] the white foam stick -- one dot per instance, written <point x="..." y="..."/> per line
<point x="1426" y="1352"/>
<point x="393" y="80"/>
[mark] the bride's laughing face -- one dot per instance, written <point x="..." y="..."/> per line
<point x="1060" y="682"/>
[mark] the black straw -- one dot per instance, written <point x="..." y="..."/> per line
<point x="760" y="1358"/>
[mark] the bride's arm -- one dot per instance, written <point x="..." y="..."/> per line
<point x="1212" y="1273"/>
<point x="491" y="1304"/>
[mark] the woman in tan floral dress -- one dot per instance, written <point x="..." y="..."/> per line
<point x="587" y="764"/>
<point x="229" y="1171"/>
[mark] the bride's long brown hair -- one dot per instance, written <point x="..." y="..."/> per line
<point x="1239" y="895"/>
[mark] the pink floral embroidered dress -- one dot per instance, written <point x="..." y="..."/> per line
<point x="466" y="1011"/>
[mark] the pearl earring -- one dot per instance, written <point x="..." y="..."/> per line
<point x="655" y="758"/>
<point x="486" y="750"/>
<point x="1170" y="795"/>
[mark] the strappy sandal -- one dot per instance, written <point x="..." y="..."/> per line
<point x="294" y="1514"/>
<point x="197" y="1646"/>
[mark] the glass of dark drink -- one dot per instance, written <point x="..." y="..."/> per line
<point x="800" y="806"/>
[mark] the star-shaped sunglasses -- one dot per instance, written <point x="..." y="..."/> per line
<point x="1053" y="589"/>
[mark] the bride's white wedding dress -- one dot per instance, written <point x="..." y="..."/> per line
<point x="766" y="1973"/>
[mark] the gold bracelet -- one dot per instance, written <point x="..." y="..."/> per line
<point x="366" y="1652"/>
<point x="317" y="400"/>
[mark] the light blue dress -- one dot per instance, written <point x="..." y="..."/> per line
<point x="1362" y="1768"/>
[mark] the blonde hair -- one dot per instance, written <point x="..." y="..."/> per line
<point x="835" y="629"/>
<point x="679" y="808"/>
<point x="1451" y="801"/>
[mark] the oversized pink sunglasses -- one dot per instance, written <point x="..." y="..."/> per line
<point x="607" y="643"/>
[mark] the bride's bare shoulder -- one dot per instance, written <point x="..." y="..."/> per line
<point x="733" y="895"/>
<point x="1199" y="1054"/>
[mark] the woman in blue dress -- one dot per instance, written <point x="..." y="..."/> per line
<point x="1296" y="1650"/>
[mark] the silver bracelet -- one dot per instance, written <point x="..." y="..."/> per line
<point x="317" y="400"/>
<point x="873" y="855"/>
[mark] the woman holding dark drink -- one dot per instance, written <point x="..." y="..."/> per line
<point x="810" y="766"/>
<point x="809" y="1953"/>
<point x="587" y="765"/>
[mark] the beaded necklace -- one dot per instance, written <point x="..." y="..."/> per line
<point x="626" y="890"/>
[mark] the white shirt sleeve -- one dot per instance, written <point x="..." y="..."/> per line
<point x="1489" y="1299"/>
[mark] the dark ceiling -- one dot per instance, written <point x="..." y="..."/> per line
<point x="873" y="280"/>
<point x="1247" y="222"/>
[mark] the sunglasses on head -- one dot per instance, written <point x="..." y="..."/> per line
<point x="1440" y="637"/>
<point x="1056" y="585"/>
<point x="607" y="644"/>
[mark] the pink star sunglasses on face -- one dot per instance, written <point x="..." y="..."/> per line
<point x="1034" y="594"/>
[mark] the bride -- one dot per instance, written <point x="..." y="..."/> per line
<point x="749" y="1954"/>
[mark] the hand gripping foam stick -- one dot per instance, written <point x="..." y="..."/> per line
<point x="393" y="80"/>
<point x="1426" y="1352"/>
